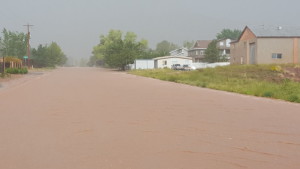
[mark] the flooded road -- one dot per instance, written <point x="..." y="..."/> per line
<point x="88" y="118"/>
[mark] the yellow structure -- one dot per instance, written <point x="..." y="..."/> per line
<point x="12" y="62"/>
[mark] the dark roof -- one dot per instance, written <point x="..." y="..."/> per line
<point x="202" y="43"/>
<point x="276" y="31"/>
<point x="235" y="41"/>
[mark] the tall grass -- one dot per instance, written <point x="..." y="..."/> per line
<point x="256" y="80"/>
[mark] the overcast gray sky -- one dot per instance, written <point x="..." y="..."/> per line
<point x="77" y="24"/>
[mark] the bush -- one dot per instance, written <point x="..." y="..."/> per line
<point x="16" y="70"/>
<point x="293" y="98"/>
<point x="268" y="94"/>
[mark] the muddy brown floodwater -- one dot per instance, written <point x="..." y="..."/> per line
<point x="89" y="118"/>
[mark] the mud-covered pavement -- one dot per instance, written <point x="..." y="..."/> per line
<point x="88" y="118"/>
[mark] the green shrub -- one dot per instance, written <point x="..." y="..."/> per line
<point x="293" y="98"/>
<point x="16" y="70"/>
<point x="268" y="94"/>
<point x="172" y="78"/>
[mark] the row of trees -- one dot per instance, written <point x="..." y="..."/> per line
<point x="118" y="50"/>
<point x="48" y="56"/>
<point x="14" y="44"/>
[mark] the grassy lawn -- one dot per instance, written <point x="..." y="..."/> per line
<point x="273" y="81"/>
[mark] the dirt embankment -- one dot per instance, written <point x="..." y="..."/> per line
<point x="292" y="73"/>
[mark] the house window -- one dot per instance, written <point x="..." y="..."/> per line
<point x="227" y="51"/>
<point x="276" y="55"/>
<point x="165" y="62"/>
<point x="201" y="52"/>
<point x="221" y="43"/>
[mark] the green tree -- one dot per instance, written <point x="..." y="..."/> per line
<point x="39" y="56"/>
<point x="212" y="53"/>
<point x="48" y="56"/>
<point x="118" y="50"/>
<point x="164" y="47"/>
<point x="229" y="34"/>
<point x="150" y="54"/>
<point x="13" y="44"/>
<point x="97" y="59"/>
<point x="56" y="55"/>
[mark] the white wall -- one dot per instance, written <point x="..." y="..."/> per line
<point x="209" y="65"/>
<point x="172" y="61"/>
<point x="143" y="64"/>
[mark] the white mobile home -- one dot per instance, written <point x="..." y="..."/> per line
<point x="168" y="61"/>
<point x="143" y="64"/>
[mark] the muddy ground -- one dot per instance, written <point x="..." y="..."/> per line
<point x="88" y="118"/>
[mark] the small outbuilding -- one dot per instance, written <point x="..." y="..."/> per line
<point x="168" y="61"/>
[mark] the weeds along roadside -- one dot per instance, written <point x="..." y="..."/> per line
<point x="272" y="81"/>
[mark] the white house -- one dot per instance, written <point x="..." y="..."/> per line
<point x="224" y="47"/>
<point x="168" y="61"/>
<point x="179" y="52"/>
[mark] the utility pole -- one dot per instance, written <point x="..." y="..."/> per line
<point x="3" y="63"/>
<point x="28" y="43"/>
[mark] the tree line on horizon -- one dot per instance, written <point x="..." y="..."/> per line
<point x="117" y="50"/>
<point x="14" y="45"/>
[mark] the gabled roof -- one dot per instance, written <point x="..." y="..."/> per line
<point x="202" y="44"/>
<point x="274" y="32"/>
